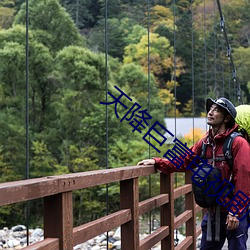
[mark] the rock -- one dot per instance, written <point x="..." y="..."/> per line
<point x="13" y="243"/>
<point x="103" y="243"/>
<point x="111" y="240"/>
<point x="18" y="247"/>
<point x="91" y="242"/>
<point x="18" y="228"/>
<point x="3" y="233"/>
<point x="19" y="234"/>
<point x="95" y="248"/>
<point x="16" y="238"/>
<point x="100" y="238"/>
<point x="80" y="246"/>
<point x="111" y="233"/>
<point x="23" y="240"/>
<point x="117" y="234"/>
<point x="117" y="245"/>
<point x="38" y="232"/>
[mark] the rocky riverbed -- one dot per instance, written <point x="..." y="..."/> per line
<point x="16" y="238"/>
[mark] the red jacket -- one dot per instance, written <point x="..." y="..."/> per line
<point x="241" y="164"/>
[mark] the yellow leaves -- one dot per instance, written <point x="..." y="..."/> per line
<point x="172" y="84"/>
<point x="161" y="16"/>
<point x="179" y="66"/>
<point x="6" y="17"/>
<point x="188" y="109"/>
<point x="169" y="100"/>
<point x="195" y="134"/>
<point x="203" y="114"/>
<point x="159" y="53"/>
<point x="166" y="96"/>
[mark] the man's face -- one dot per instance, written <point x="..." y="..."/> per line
<point x="215" y="116"/>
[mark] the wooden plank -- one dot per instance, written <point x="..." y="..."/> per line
<point x="182" y="190"/>
<point x="90" y="230"/>
<point x="190" y="205"/>
<point x="167" y="210"/>
<point x="182" y="218"/>
<point x="46" y="244"/>
<point x="152" y="203"/>
<point x="58" y="219"/>
<point x="185" y="244"/>
<point x="198" y="209"/>
<point x="129" y="195"/>
<point x="24" y="190"/>
<point x="98" y="177"/>
<point x="154" y="238"/>
<point x="198" y="231"/>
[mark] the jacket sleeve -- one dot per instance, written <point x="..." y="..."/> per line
<point x="241" y="175"/>
<point x="166" y="166"/>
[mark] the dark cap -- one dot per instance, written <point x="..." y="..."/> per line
<point x="223" y="103"/>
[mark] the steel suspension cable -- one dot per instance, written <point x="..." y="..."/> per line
<point x="27" y="207"/>
<point x="215" y="52"/>
<point x="229" y="53"/>
<point x="174" y="59"/>
<point x="222" y="68"/>
<point x="107" y="120"/>
<point x="193" y="97"/>
<point x="149" y="152"/>
<point x="205" y="50"/>
<point x="175" y="94"/>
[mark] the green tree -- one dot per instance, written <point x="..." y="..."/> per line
<point x="6" y="17"/>
<point x="84" y="13"/>
<point x="242" y="64"/>
<point x="53" y="25"/>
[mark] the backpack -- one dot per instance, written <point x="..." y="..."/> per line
<point x="243" y="120"/>
<point x="204" y="196"/>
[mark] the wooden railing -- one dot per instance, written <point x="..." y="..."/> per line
<point x="56" y="192"/>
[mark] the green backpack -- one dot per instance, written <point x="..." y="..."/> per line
<point x="243" y="120"/>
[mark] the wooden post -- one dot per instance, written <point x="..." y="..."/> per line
<point x="58" y="219"/>
<point x="129" y="197"/>
<point x="167" y="210"/>
<point x="190" y="205"/>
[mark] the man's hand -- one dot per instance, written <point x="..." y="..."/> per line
<point x="146" y="162"/>
<point x="232" y="222"/>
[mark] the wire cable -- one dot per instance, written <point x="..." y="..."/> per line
<point x="149" y="151"/>
<point x="174" y="59"/>
<point x="193" y="96"/>
<point x="175" y="94"/>
<point x="27" y="207"/>
<point x="229" y="54"/>
<point x="215" y="53"/>
<point x="106" y="82"/>
<point x="205" y="49"/>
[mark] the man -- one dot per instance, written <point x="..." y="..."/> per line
<point x="221" y="115"/>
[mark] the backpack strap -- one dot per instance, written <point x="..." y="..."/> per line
<point x="227" y="148"/>
<point x="203" y="151"/>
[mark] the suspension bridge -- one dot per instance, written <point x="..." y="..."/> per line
<point x="56" y="192"/>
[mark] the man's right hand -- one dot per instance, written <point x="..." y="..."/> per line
<point x="146" y="162"/>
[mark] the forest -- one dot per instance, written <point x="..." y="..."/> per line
<point x="167" y="56"/>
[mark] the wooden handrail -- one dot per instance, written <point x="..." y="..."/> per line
<point x="58" y="208"/>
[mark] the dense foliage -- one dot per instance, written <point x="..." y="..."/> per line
<point x="72" y="63"/>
